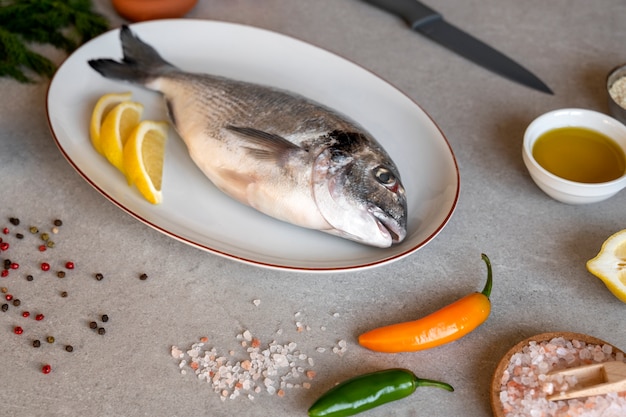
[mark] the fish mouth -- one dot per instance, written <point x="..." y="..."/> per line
<point x="388" y="225"/>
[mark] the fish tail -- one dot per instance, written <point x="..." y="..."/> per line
<point x="141" y="62"/>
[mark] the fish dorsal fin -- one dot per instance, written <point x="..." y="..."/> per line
<point x="264" y="145"/>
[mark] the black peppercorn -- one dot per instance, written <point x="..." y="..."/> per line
<point x="143" y="277"/>
<point x="36" y="343"/>
<point x="58" y="222"/>
<point x="16" y="302"/>
<point x="19" y="236"/>
<point x="93" y="325"/>
<point x="101" y="330"/>
<point x="61" y="274"/>
<point x="69" y="348"/>
<point x="99" y="276"/>
<point x="5" y="307"/>
<point x="104" y="318"/>
<point x="29" y="278"/>
<point x="63" y="294"/>
<point x="14" y="221"/>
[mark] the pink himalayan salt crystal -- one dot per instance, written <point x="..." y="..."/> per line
<point x="525" y="385"/>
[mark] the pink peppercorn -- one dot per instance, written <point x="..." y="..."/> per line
<point x="39" y="317"/>
<point x="42" y="248"/>
<point x="18" y="330"/>
<point x="4" y="273"/>
<point x="45" y="266"/>
<point x="4" y="246"/>
<point x="5" y="230"/>
<point x="15" y="265"/>
<point x="8" y="297"/>
<point x="46" y="369"/>
<point x="25" y="314"/>
<point x="69" y="265"/>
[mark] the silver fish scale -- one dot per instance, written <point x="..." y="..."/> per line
<point x="242" y="104"/>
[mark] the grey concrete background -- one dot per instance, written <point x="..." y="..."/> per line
<point x="538" y="247"/>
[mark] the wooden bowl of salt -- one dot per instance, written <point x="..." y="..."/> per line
<point x="519" y="384"/>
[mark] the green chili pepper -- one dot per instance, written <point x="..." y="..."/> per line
<point x="367" y="391"/>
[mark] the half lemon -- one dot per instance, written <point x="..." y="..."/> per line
<point x="101" y="109"/>
<point x="144" y="154"/>
<point x="116" y="128"/>
<point x="610" y="264"/>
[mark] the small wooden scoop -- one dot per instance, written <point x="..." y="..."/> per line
<point x="594" y="379"/>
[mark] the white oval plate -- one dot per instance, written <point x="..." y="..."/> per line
<point x="193" y="210"/>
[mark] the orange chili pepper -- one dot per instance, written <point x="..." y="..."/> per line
<point x="443" y="326"/>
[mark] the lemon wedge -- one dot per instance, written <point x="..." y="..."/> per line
<point x="610" y="264"/>
<point x="116" y="128"/>
<point x="144" y="154"/>
<point x="101" y="109"/>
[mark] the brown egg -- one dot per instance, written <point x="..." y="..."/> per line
<point x="138" y="10"/>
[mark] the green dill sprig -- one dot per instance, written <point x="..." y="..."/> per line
<point x="64" y="24"/>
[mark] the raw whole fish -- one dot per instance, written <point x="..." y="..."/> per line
<point x="286" y="156"/>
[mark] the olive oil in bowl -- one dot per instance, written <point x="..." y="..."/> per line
<point x="580" y="154"/>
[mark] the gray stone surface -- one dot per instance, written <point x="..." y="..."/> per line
<point x="538" y="247"/>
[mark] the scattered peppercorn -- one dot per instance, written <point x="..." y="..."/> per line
<point x="25" y="314"/>
<point x="15" y="265"/>
<point x="14" y="221"/>
<point x="143" y="277"/>
<point x="42" y="248"/>
<point x="58" y="222"/>
<point x="5" y="230"/>
<point x="19" y="236"/>
<point x="50" y="339"/>
<point x="104" y="318"/>
<point x="17" y="302"/>
<point x="5" y="307"/>
<point x="33" y="230"/>
<point x="45" y="266"/>
<point x="18" y="330"/>
<point x="4" y="273"/>
<point x="55" y="230"/>
<point x="101" y="330"/>
<point x="45" y="237"/>
<point x="46" y="369"/>
<point x="69" y="265"/>
<point x="4" y="290"/>
<point x="7" y="263"/>
<point x="61" y="274"/>
<point x="39" y="317"/>
<point x="93" y="325"/>
<point x="69" y="348"/>
<point x="36" y="343"/>
<point x="64" y="294"/>
<point x="8" y="297"/>
<point x="4" y="246"/>
<point x="29" y="278"/>
<point x="99" y="276"/>
<point x="50" y="244"/>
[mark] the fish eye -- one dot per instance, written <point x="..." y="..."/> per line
<point x="384" y="176"/>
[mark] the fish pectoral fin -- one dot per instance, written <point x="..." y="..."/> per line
<point x="264" y="145"/>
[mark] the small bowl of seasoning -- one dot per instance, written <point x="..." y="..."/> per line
<point x="522" y="383"/>
<point x="576" y="156"/>
<point x="616" y="86"/>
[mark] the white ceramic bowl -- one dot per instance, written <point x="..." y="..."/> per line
<point x="560" y="189"/>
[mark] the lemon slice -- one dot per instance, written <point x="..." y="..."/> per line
<point x="101" y="109"/>
<point x="610" y="264"/>
<point x="116" y="129"/>
<point x="143" y="158"/>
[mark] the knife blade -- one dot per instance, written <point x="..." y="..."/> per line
<point x="431" y="24"/>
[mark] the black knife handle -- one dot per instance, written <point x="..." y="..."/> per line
<point x="414" y="12"/>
